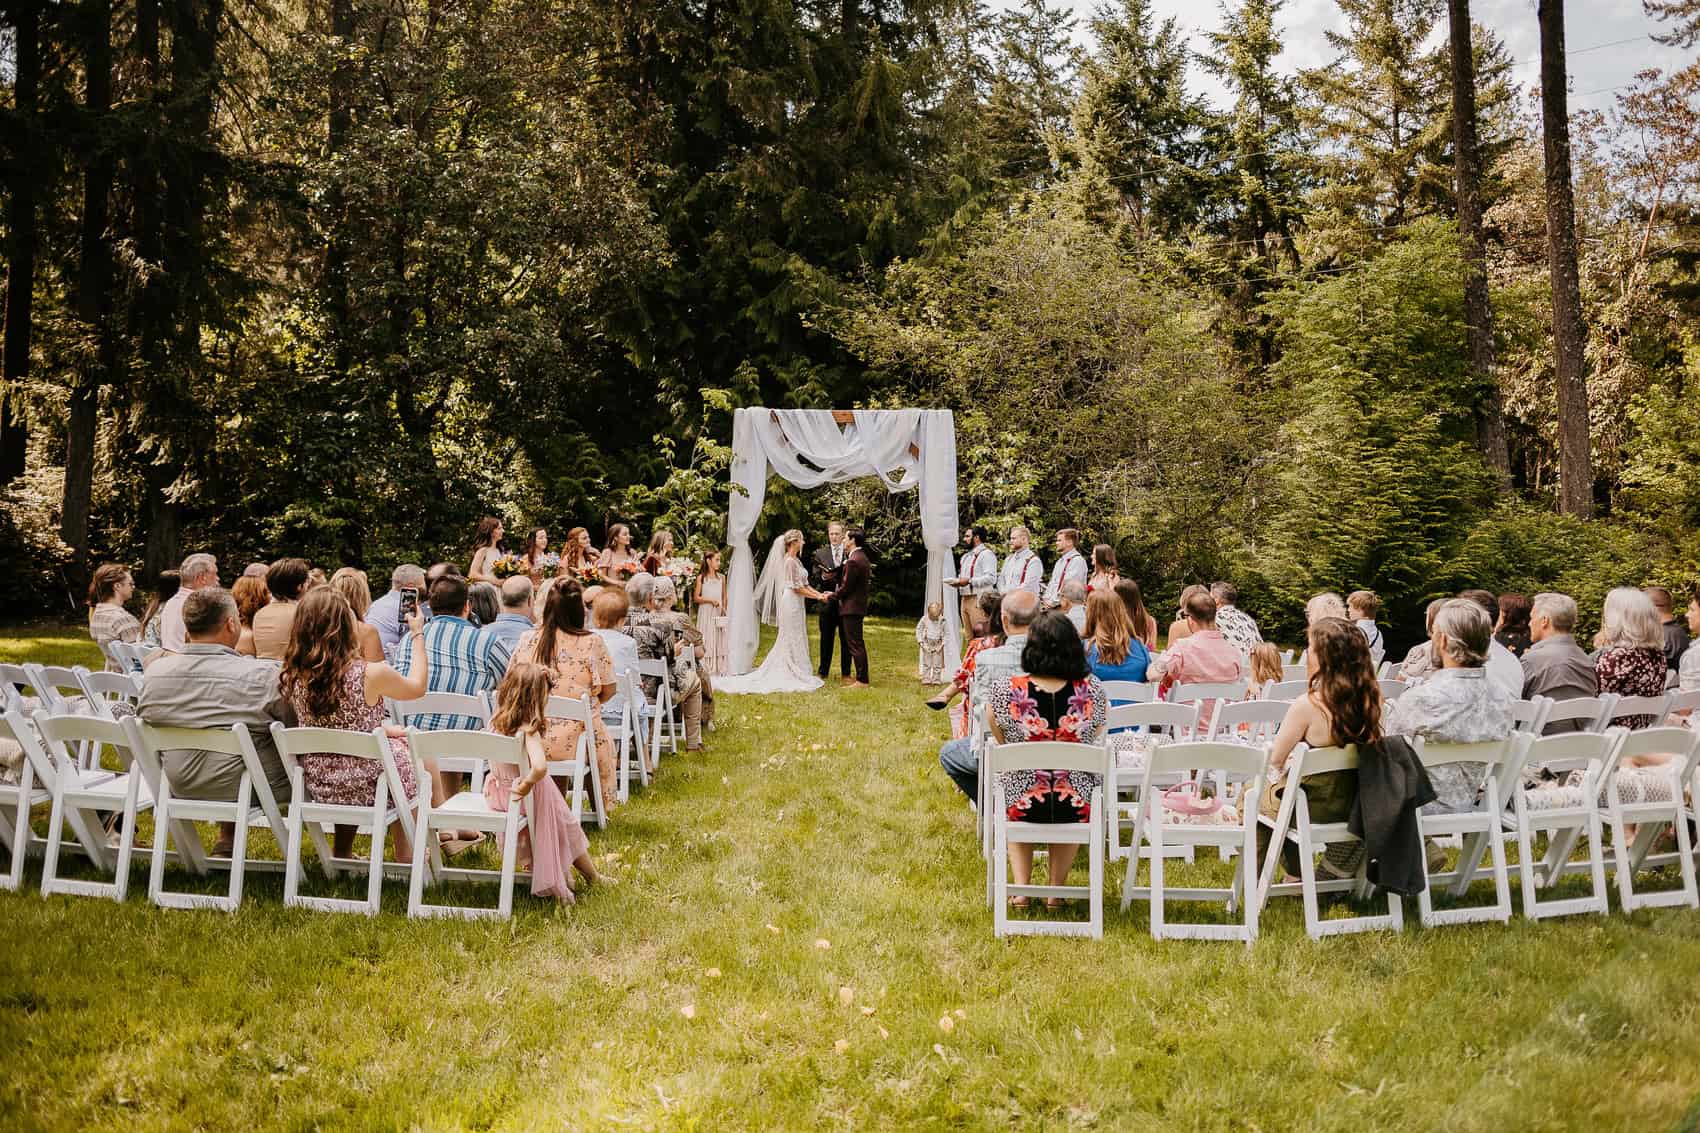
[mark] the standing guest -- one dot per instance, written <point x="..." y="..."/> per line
<point x="256" y="570"/>
<point x="1676" y="634"/>
<point x="710" y="601"/>
<point x="209" y="685"/>
<point x="1420" y="661"/>
<point x="461" y="658"/>
<point x="1022" y="570"/>
<point x="329" y="686"/>
<point x="1058" y="699"/>
<point x="1144" y="625"/>
<point x="608" y="612"/>
<point x="660" y="550"/>
<point x="1202" y="656"/>
<point x="957" y="755"/>
<point x="1072" y="604"/>
<point x="1325" y="605"/>
<point x="357" y="592"/>
<point x="618" y="562"/>
<point x="1070" y="566"/>
<point x="1236" y="625"/>
<point x="251" y="597"/>
<point x="1554" y="665"/>
<point x="384" y="615"/>
<point x="484" y="603"/>
<point x="1266" y="667"/>
<point x="579" y="667"/>
<point x="486" y="549"/>
<point x="1104" y="568"/>
<point x="285" y="579"/>
<point x="1688" y="669"/>
<point x="1179" y="630"/>
<point x="656" y="640"/>
<point x="1512" y="629"/>
<point x="929" y="637"/>
<point x="515" y="617"/>
<point x="536" y="546"/>
<point x="1631" y="644"/>
<point x="109" y="621"/>
<point x="1112" y="650"/>
<point x="1503" y="668"/>
<point x="165" y="588"/>
<point x="197" y="572"/>
<point x="977" y="575"/>
<point x="551" y="837"/>
<point x="1362" y="606"/>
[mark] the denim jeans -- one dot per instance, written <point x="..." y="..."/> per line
<point x="959" y="762"/>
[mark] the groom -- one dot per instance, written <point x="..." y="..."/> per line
<point x="828" y="570"/>
<point x="852" y="599"/>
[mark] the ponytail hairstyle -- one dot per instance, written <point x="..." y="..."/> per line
<point x="563" y="613"/>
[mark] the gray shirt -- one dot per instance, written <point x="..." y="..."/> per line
<point x="1557" y="667"/>
<point x="213" y="686"/>
<point x="510" y="628"/>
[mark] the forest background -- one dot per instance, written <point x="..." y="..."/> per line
<point x="337" y="278"/>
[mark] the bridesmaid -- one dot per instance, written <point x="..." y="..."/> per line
<point x="660" y="550"/>
<point x="576" y="552"/>
<point x="710" y="599"/>
<point x="536" y="546"/>
<point x="617" y="561"/>
<point x="486" y="546"/>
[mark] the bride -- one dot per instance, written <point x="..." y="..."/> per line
<point x="779" y="601"/>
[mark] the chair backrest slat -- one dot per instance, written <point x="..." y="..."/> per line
<point x="1592" y="712"/>
<point x="1392" y="689"/>
<point x="1207" y="690"/>
<point x="1172" y="718"/>
<point x="1132" y="692"/>
<point x="441" y="704"/>
<point x="1285" y="690"/>
<point x="296" y="742"/>
<point x="1654" y="706"/>
<point x="461" y="744"/>
<point x="1260" y="717"/>
<point x="1246" y="760"/>
<point x="1047" y="755"/>
<point x="568" y="708"/>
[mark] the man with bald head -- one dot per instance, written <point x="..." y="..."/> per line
<point x="515" y="617"/>
<point x="958" y="757"/>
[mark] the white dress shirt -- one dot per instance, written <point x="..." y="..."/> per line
<point x="1022" y="571"/>
<point x="1070" y="566"/>
<point x="980" y="568"/>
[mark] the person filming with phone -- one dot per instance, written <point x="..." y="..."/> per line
<point x="407" y="583"/>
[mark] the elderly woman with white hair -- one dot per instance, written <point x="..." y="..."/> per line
<point x="693" y="647"/>
<point x="1457" y="704"/>
<point x="1631" y="644"/>
<point x="1325" y="605"/>
<point x="658" y="637"/>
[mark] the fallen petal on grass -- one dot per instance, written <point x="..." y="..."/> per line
<point x="689" y="1011"/>
<point x="712" y="973"/>
<point x="841" y="1045"/>
<point x="947" y="1024"/>
<point x="867" y="1010"/>
<point x="823" y="944"/>
<point x="847" y="995"/>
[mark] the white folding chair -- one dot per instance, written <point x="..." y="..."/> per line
<point x="623" y="724"/>
<point x="253" y="806"/>
<point x="389" y="805"/>
<point x="1564" y="813"/>
<point x="13" y="681"/>
<point x="1286" y="657"/>
<point x="102" y="690"/>
<point x="1684" y="703"/>
<point x="1166" y="722"/>
<point x="81" y="796"/>
<point x="1285" y="691"/>
<point x="479" y="708"/>
<point x="1225" y="762"/>
<point x="1249" y="721"/>
<point x="33" y="788"/>
<point x="1392" y="689"/>
<point x="1654" y="706"/>
<point x="1500" y="759"/>
<point x="1530" y="715"/>
<point x="1130" y="692"/>
<point x="1588" y="713"/>
<point x="659" y="712"/>
<point x="1294" y="672"/>
<point x="1651" y="815"/>
<point x="1086" y="758"/>
<point x="60" y="689"/>
<point x="582" y="765"/>
<point x="466" y="810"/>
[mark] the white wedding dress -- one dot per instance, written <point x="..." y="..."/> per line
<point x="788" y="666"/>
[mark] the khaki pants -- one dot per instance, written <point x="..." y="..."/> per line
<point x="970" y="615"/>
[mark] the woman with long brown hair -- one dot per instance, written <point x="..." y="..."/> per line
<point x="1104" y="569"/>
<point x="251" y="597"/>
<point x="486" y="548"/>
<point x="1112" y="650"/>
<point x="618" y="561"/>
<point x="576" y="552"/>
<point x="660" y="550"/>
<point x="1144" y="625"/>
<point x="579" y="665"/>
<point x="331" y="687"/>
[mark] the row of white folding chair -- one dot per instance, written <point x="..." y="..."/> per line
<point x="465" y="811"/>
<point x="1165" y="722"/>
<point x="128" y="656"/>
<point x="1072" y="757"/>
<point x="1294" y="689"/>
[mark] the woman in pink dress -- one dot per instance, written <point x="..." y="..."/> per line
<point x="618" y="562"/>
<point x="552" y="836"/>
<point x="580" y="666"/>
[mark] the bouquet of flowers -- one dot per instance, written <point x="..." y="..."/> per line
<point x="588" y="575"/>
<point x="683" y="572"/>
<point x="549" y="563"/>
<point x="623" y="571"/>
<point x="508" y="565"/>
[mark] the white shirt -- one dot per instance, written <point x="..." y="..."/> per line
<point x="622" y="650"/>
<point x="1022" y="571"/>
<point x="1070" y="566"/>
<point x="980" y="568"/>
<point x="1504" y="670"/>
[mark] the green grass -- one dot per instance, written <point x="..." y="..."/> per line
<point x="822" y="819"/>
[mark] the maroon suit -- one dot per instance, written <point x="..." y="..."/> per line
<point x="852" y="599"/>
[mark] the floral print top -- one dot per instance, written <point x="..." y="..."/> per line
<point x="1632" y="672"/>
<point x="1075" y="713"/>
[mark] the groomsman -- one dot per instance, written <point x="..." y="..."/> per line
<point x="1022" y="570"/>
<point x="1070" y="566"/>
<point x="977" y="575"/>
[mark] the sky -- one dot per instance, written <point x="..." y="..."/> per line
<point x="1595" y="29"/>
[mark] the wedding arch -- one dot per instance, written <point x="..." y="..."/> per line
<point x="904" y="448"/>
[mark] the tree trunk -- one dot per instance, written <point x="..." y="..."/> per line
<point x="21" y="239"/>
<point x="94" y="287"/>
<point x="1478" y="307"/>
<point x="1575" y="463"/>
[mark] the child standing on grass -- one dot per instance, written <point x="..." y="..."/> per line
<point x="553" y="836"/>
<point x="1265" y="669"/>
<point x="929" y="635"/>
<point x="1362" y="606"/>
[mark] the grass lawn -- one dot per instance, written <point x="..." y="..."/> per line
<point x="797" y="938"/>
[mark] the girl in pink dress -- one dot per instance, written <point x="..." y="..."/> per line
<point x="552" y="837"/>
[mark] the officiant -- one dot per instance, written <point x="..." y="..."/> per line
<point x="827" y="570"/>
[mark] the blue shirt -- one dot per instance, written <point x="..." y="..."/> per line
<point x="510" y="628"/>
<point x="384" y="615"/>
<point x="459" y="658"/>
<point x="1132" y="668"/>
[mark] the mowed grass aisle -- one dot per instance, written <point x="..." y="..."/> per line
<point x="797" y="938"/>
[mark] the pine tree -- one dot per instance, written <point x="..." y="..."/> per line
<point x="1032" y="87"/>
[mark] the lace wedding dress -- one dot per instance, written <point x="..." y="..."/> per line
<point x="788" y="666"/>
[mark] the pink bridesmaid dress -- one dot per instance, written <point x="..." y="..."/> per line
<point x="552" y="839"/>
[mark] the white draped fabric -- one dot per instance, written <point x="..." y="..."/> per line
<point x="809" y="448"/>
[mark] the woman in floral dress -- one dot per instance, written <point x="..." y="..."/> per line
<point x="1631" y="641"/>
<point x="582" y="667"/>
<point x="1057" y="699"/>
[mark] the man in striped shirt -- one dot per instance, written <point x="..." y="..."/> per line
<point x="458" y="657"/>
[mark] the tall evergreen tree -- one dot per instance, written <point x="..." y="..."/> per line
<point x="1036" y="65"/>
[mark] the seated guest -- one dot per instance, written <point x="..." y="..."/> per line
<point x="1204" y="656"/>
<point x="692" y="648"/>
<point x="1503" y="668"/>
<point x="1266" y="668"/>
<point x="1554" y="665"/>
<point x="1179" y="630"/>
<point x="109" y="621"/>
<point x="987" y="633"/>
<point x="1420" y="661"/>
<point x="1362" y="606"/>
<point x="286" y="579"/>
<point x="608" y="612"/>
<point x="957" y="756"/>
<point x="329" y="686"/>
<point x="1236" y="625"/>
<point x="165" y="588"/>
<point x="484" y="604"/>
<point x="515" y="619"/>
<point x="1688" y="669"/>
<point x="207" y="684"/>
<point x="1055" y="698"/>
<point x="1631" y="644"/>
<point x="251" y="596"/>
<point x="315" y="579"/>
<point x="1460" y="704"/>
<point x="580" y="666"/>
<point x="1325" y="605"/>
<point x="198" y="572"/>
<point x="384" y="615"/>
<point x="1676" y="634"/>
<point x="551" y="837"/>
<point x="1112" y="651"/>
<point x="1513" y="628"/>
<point x="1071" y="600"/>
<point x="1144" y="625"/>
<point x="355" y="590"/>
<point x="255" y="570"/>
<point x="656" y="640"/>
<point x="461" y="658"/>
